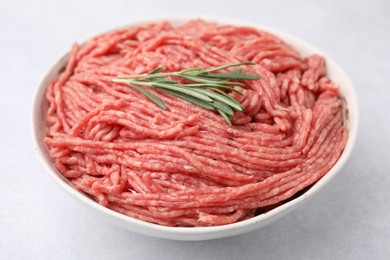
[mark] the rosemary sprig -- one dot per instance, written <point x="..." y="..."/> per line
<point x="207" y="89"/>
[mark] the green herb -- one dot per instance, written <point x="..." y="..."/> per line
<point x="205" y="90"/>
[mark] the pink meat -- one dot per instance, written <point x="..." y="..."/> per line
<point x="185" y="166"/>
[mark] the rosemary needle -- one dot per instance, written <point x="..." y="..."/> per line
<point x="205" y="90"/>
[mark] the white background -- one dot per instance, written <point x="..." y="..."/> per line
<point x="349" y="219"/>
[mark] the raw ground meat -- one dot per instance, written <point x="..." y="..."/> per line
<point x="185" y="166"/>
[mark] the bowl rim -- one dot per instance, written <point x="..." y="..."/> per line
<point x="167" y="232"/>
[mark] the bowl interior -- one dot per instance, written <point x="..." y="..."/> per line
<point x="334" y="71"/>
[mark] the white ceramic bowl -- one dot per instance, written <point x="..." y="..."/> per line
<point x="334" y="71"/>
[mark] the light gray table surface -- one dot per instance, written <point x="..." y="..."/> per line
<point x="348" y="219"/>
